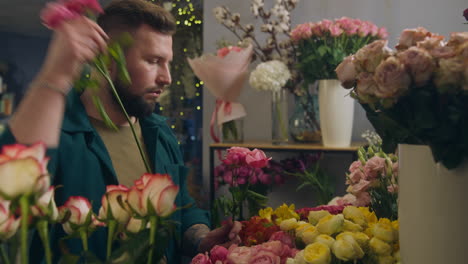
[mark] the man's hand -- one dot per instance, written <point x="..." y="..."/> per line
<point x="224" y="236"/>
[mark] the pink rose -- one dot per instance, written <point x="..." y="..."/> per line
<point x="383" y="33"/>
<point x="83" y="6"/>
<point x="218" y="253"/>
<point x="374" y="167"/>
<point x="355" y="177"/>
<point x="257" y="159"/>
<point x="335" y="30"/>
<point x="392" y="78"/>
<point x="283" y="237"/>
<point x="410" y="37"/>
<point x="238" y="255"/>
<point x="201" y="259"/>
<point x="346" y="72"/>
<point x="264" y="257"/>
<point x="362" y="199"/>
<point x="236" y="155"/>
<point x="55" y="13"/>
<point x="359" y="187"/>
<point x="302" y="31"/>
<point x="370" y="56"/>
<point x="419" y="63"/>
<point x="356" y="165"/>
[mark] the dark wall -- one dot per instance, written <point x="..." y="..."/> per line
<point x="24" y="56"/>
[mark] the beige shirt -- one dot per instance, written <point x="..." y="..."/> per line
<point x="123" y="150"/>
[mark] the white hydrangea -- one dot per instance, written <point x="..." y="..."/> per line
<point x="270" y="76"/>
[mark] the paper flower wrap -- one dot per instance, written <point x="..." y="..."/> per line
<point x="224" y="77"/>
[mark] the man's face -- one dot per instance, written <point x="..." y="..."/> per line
<point x="148" y="61"/>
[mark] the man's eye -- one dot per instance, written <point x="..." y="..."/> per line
<point x="153" y="61"/>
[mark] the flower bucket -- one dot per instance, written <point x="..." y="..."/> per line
<point x="432" y="208"/>
<point x="279" y="117"/>
<point x="336" y="110"/>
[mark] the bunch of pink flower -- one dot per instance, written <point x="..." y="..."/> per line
<point x="323" y="45"/>
<point x="242" y="166"/>
<point x="56" y="12"/>
<point x="273" y="252"/>
<point x="343" y="26"/>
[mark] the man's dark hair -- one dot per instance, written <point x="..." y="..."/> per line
<point x="129" y="15"/>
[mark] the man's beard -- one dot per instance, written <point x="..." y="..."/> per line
<point x="135" y="105"/>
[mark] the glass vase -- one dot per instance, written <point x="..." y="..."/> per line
<point x="304" y="124"/>
<point x="233" y="131"/>
<point x="279" y="117"/>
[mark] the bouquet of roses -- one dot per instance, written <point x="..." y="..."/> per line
<point x="242" y="171"/>
<point x="323" y="45"/>
<point x="373" y="180"/>
<point x="416" y="94"/>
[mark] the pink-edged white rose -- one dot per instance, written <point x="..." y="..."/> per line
<point x="392" y="78"/>
<point x="111" y="208"/>
<point x="135" y="225"/>
<point x="8" y="224"/>
<point x="153" y="193"/>
<point x="370" y="56"/>
<point x="410" y="37"/>
<point x="347" y="72"/>
<point x="45" y="206"/>
<point x="23" y="170"/>
<point x="80" y="211"/>
<point x="419" y="63"/>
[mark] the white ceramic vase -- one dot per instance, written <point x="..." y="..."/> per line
<point x="336" y="108"/>
<point x="432" y="208"/>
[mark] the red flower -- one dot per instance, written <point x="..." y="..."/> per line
<point x="55" y="13"/>
<point x="465" y="14"/>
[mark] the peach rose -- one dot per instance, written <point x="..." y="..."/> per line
<point x="371" y="55"/>
<point x="410" y="37"/>
<point x="346" y="72"/>
<point x="391" y="78"/>
<point x="366" y="86"/>
<point x="419" y="63"/>
<point x="450" y="74"/>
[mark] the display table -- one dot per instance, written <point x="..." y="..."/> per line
<point x="269" y="147"/>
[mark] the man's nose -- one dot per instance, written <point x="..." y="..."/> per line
<point x="164" y="76"/>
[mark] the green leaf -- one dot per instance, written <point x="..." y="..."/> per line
<point x="100" y="107"/>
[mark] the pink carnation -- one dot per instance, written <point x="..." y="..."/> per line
<point x="218" y="253"/>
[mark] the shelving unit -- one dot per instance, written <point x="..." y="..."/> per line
<point x="269" y="147"/>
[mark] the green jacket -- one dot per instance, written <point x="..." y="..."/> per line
<point x="83" y="167"/>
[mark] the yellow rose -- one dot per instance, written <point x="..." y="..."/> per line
<point x="362" y="239"/>
<point x="325" y="239"/>
<point x="379" y="247"/>
<point x="309" y="235"/>
<point x="370" y="216"/>
<point x="290" y="261"/>
<point x="397" y="256"/>
<point x="285" y="212"/>
<point x="299" y="258"/>
<point x="396" y="228"/>
<point x="384" y="231"/>
<point x="355" y="215"/>
<point x="330" y="224"/>
<point x="317" y="253"/>
<point x="266" y="213"/>
<point x="346" y="250"/>
<point x="288" y="224"/>
<point x="315" y="216"/>
<point x="350" y="226"/>
<point x="348" y="236"/>
<point x="385" y="260"/>
<point x="301" y="227"/>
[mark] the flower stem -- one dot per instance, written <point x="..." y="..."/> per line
<point x="84" y="238"/>
<point x="24" y="205"/>
<point x="42" y="227"/>
<point x="4" y="254"/>
<point x="112" y="225"/>
<point x="111" y="84"/>
<point x="153" y="227"/>
<point x="280" y="120"/>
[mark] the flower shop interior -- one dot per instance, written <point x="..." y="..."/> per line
<point x="312" y="163"/>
